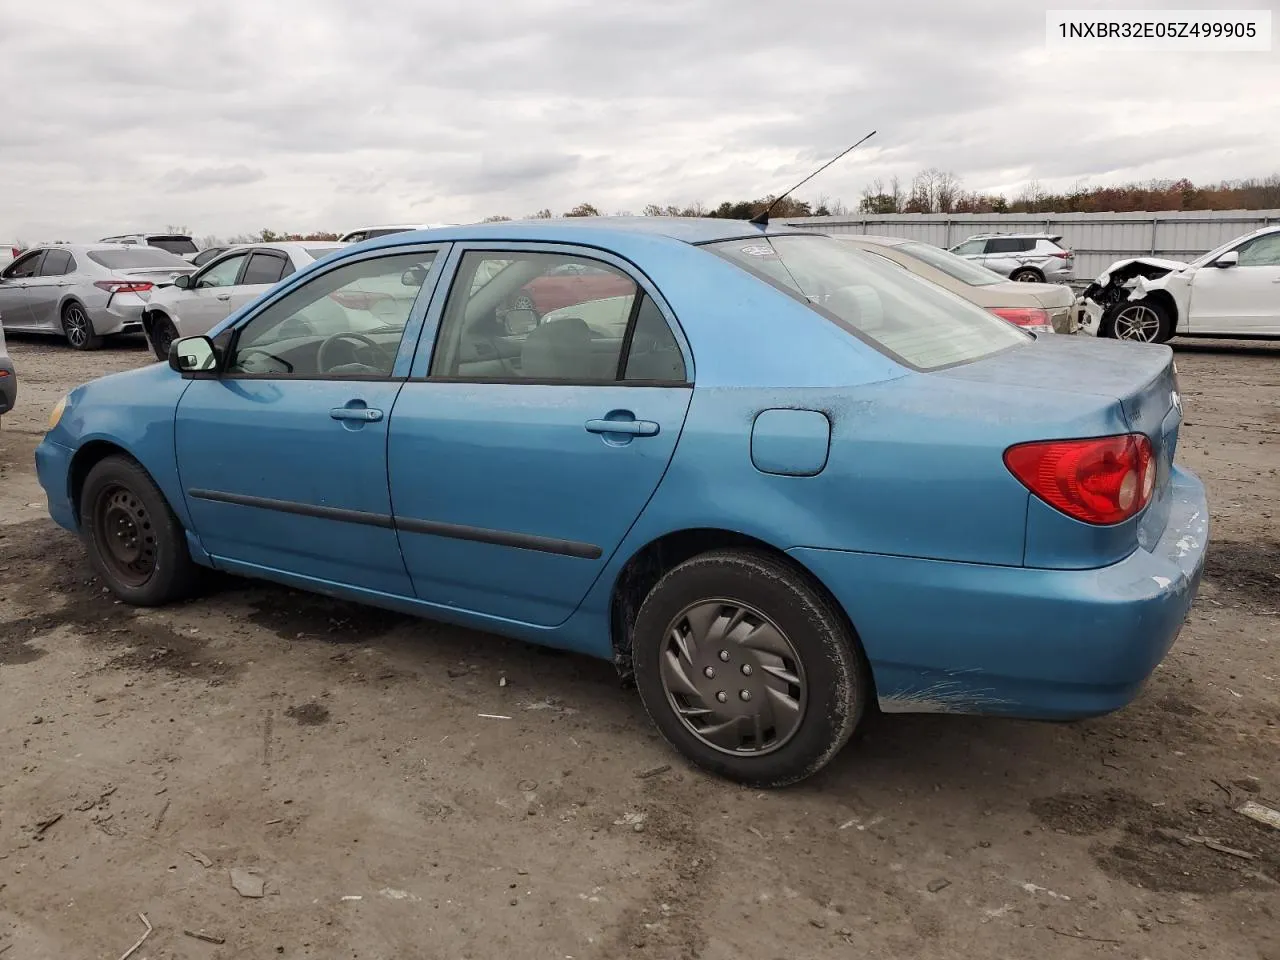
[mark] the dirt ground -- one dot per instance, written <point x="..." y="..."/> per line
<point x="340" y="756"/>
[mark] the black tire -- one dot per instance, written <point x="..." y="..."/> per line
<point x="78" y="328"/>
<point x="1027" y="275"/>
<point x="162" y="335"/>
<point x="1139" y="321"/>
<point x="124" y="514"/>
<point x="833" y="678"/>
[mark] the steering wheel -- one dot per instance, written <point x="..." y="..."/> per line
<point x="365" y="345"/>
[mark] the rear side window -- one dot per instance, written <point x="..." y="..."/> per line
<point x="263" y="268"/>
<point x="914" y="321"/>
<point x="137" y="257"/>
<point x="57" y="263"/>
<point x="1009" y="245"/>
<point x="179" y="245"/>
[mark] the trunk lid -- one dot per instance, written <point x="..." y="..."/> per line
<point x="1139" y="379"/>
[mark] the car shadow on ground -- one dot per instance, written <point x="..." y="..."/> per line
<point x="131" y="342"/>
<point x="1228" y="348"/>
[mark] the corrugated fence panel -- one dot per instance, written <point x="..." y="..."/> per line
<point x="1098" y="239"/>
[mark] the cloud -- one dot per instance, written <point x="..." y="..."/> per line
<point x="323" y="114"/>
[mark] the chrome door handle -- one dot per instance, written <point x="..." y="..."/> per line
<point x="362" y="414"/>
<point x="636" y="428"/>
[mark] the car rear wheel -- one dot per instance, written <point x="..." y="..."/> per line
<point x="747" y="669"/>
<point x="133" y="538"/>
<point x="1142" y="321"/>
<point x="1027" y="276"/>
<point x="163" y="333"/>
<point x="78" y="328"/>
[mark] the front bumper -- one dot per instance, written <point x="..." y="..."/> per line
<point x="53" y="469"/>
<point x="1016" y="641"/>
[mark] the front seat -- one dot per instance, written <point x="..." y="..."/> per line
<point x="559" y="350"/>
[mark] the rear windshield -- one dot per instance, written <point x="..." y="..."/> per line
<point x="178" y="245"/>
<point x="958" y="268"/>
<point x="319" y="254"/>
<point x="137" y="257"/>
<point x="385" y="232"/>
<point x="912" y="320"/>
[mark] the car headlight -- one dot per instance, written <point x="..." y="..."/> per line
<point x="56" y="415"/>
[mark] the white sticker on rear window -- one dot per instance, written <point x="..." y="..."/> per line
<point x="758" y="250"/>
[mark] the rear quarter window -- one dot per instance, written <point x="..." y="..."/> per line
<point x="915" y="322"/>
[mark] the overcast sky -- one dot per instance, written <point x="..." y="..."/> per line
<point x="228" y="116"/>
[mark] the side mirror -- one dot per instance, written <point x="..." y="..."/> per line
<point x="1229" y="259"/>
<point x="193" y="355"/>
<point x="182" y="281"/>
<point x="414" y="276"/>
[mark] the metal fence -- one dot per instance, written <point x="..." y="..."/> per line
<point x="1098" y="239"/>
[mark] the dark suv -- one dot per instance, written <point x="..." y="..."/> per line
<point x="1030" y="257"/>
<point x="8" y="379"/>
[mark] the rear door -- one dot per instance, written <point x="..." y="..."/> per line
<point x="46" y="288"/>
<point x="522" y="449"/>
<point x="1240" y="300"/>
<point x="15" y="305"/>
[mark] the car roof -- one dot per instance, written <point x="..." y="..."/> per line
<point x="286" y="245"/>
<point x="872" y="238"/>
<point x="1016" y="235"/>
<point x="692" y="230"/>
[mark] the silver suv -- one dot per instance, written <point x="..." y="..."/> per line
<point x="1027" y="257"/>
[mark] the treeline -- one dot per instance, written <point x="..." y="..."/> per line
<point x="939" y="191"/>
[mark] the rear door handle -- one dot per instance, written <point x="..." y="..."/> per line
<point x="361" y="414"/>
<point x="636" y="428"/>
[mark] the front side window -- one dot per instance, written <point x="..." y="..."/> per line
<point x="24" y="267"/>
<point x="914" y="321"/>
<point x="1261" y="251"/>
<point x="346" y="322"/>
<point x="221" y="274"/>
<point x="57" y="263"/>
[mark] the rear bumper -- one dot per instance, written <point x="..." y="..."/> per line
<point x="53" y="468"/>
<point x="1048" y="644"/>
<point x="123" y="314"/>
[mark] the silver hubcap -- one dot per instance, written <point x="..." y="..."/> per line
<point x="77" y="326"/>
<point x="1137" y="323"/>
<point x="732" y="677"/>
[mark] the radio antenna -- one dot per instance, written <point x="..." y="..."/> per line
<point x="762" y="219"/>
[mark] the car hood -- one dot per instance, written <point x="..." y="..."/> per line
<point x="1157" y="262"/>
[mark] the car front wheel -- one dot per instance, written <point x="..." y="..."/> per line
<point x="163" y="333"/>
<point x="133" y="538"/>
<point x="747" y="669"/>
<point x="1143" y="321"/>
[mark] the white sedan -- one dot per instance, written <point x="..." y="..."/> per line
<point x="196" y="304"/>
<point x="1233" y="291"/>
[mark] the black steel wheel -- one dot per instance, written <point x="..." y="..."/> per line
<point x="132" y="536"/>
<point x="747" y="667"/>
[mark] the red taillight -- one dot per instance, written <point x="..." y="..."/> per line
<point x="1104" y="480"/>
<point x="1032" y="317"/>
<point x="1064" y="255"/>
<point x="123" y="286"/>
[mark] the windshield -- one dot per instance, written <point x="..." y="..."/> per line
<point x="958" y="268"/>
<point x="137" y="257"/>
<point x="178" y="245"/>
<point x="914" y="321"/>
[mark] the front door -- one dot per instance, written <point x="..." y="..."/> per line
<point x="45" y="289"/>
<point x="283" y="455"/>
<point x="520" y="462"/>
<point x="1244" y="299"/>
<point x="15" y="298"/>
<point x="207" y="301"/>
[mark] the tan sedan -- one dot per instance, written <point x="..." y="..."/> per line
<point x="1039" y="307"/>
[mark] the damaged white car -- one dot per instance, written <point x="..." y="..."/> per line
<point x="1233" y="291"/>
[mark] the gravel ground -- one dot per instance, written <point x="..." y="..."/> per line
<point x="338" y="754"/>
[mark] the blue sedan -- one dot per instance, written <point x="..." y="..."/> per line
<point x="777" y="481"/>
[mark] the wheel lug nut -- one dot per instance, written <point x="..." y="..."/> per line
<point x="722" y="696"/>
<point x="708" y="673"/>
<point x="746" y="669"/>
<point x="744" y="694"/>
<point x="724" y="656"/>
